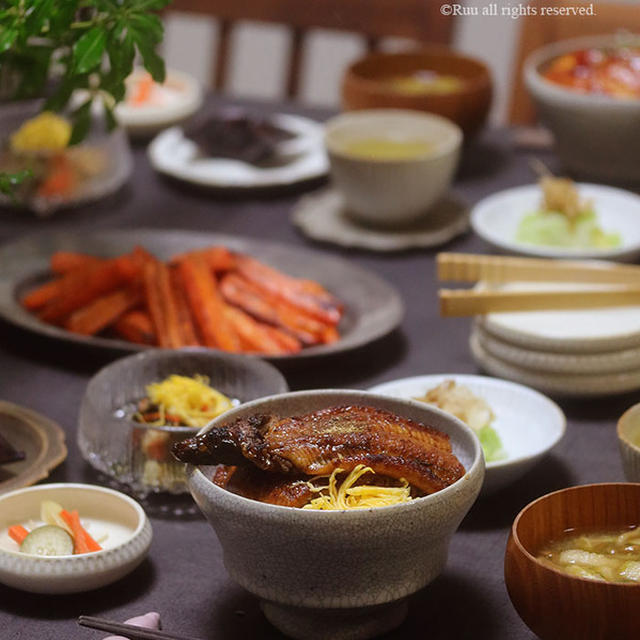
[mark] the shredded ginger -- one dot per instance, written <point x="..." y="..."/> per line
<point x="190" y="399"/>
<point x="347" y="496"/>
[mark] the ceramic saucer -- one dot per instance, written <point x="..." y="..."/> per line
<point x="321" y="216"/>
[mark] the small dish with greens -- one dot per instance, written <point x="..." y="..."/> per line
<point x="558" y="218"/>
<point x="516" y="426"/>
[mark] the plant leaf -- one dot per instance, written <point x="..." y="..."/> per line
<point x="7" y="38"/>
<point x="153" y="63"/>
<point x="112" y="123"/>
<point x="87" y="52"/>
<point x="148" y="24"/>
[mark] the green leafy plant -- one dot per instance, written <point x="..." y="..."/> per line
<point x="55" y="47"/>
<point x="9" y="181"/>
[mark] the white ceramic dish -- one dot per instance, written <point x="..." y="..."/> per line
<point x="567" y="363"/>
<point x="496" y="220"/>
<point x="574" y="385"/>
<point x="629" y="443"/>
<point x="175" y="155"/>
<point x="180" y="96"/>
<point x="528" y="423"/>
<point x="322" y="217"/>
<point x="390" y="192"/>
<point x="107" y="510"/>
<point x="580" y="331"/>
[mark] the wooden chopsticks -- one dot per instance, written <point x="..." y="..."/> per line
<point x="616" y="285"/>
<point x="128" y="630"/>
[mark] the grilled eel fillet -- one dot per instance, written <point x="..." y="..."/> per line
<point x="338" y="437"/>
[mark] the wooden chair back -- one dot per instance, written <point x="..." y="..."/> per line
<point x="419" y="20"/>
<point x="539" y="30"/>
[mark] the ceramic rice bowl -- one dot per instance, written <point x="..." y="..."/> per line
<point x="339" y="574"/>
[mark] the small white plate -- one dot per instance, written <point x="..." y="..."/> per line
<point x="184" y="98"/>
<point x="496" y="220"/>
<point x="175" y="155"/>
<point x="560" y="384"/>
<point x="321" y="216"/>
<point x="580" y="331"/>
<point x="564" y="363"/>
<point x="110" y="511"/>
<point x="528" y="423"/>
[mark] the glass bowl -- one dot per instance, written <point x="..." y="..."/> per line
<point x="90" y="170"/>
<point x="138" y="456"/>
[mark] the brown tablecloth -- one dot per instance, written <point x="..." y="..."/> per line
<point x="184" y="577"/>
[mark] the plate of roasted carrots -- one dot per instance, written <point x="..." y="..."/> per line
<point x="130" y="290"/>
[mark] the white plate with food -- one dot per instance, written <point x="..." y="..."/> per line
<point x="516" y="425"/>
<point x="69" y="538"/>
<point x="561" y="219"/>
<point x="149" y="106"/>
<point x="240" y="150"/>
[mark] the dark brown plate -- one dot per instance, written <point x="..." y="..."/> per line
<point x="373" y="308"/>
<point x="41" y="439"/>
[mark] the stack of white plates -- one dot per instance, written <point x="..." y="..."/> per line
<point x="593" y="352"/>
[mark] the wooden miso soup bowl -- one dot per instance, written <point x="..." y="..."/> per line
<point x="555" y="605"/>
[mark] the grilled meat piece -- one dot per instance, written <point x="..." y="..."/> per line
<point x="319" y="442"/>
<point x="272" y="488"/>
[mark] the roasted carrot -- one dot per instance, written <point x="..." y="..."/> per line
<point x="135" y="326"/>
<point x="185" y="318"/>
<point x="18" y="533"/>
<point x="41" y="296"/>
<point x="63" y="262"/>
<point x="207" y="305"/>
<point x="61" y="178"/>
<point x="288" y="342"/>
<point x="81" y="287"/>
<point x="83" y="542"/>
<point x="269" y="308"/>
<point x="254" y="335"/>
<point x="142" y="90"/>
<point x="302" y="294"/>
<point x="103" y="311"/>
<point x="218" y="259"/>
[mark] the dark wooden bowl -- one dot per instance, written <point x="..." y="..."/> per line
<point x="365" y="85"/>
<point x="558" y="606"/>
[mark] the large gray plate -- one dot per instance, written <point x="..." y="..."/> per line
<point x="372" y="307"/>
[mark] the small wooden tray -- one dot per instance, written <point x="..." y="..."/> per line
<point x="41" y="439"/>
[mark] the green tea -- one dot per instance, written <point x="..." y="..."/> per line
<point x="387" y="149"/>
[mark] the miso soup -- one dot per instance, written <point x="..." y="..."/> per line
<point x="387" y="148"/>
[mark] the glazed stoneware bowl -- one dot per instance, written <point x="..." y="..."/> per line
<point x="137" y="456"/>
<point x="366" y="85"/>
<point x="390" y="192"/>
<point x="557" y="606"/>
<point x="629" y="443"/>
<point x="596" y="136"/>
<point x="121" y="517"/>
<point x="335" y="575"/>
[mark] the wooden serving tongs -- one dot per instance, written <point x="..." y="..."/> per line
<point x="614" y="285"/>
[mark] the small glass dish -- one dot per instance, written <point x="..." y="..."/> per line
<point x="138" y="456"/>
<point x="90" y="170"/>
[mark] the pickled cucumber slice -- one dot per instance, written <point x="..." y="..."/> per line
<point x="48" y="540"/>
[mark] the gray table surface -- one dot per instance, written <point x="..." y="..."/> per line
<point x="184" y="577"/>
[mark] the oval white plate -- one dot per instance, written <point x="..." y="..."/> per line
<point x="573" y="385"/>
<point x="173" y="154"/>
<point x="579" y="331"/>
<point x="150" y="118"/>
<point x="130" y="539"/>
<point x="528" y="423"/>
<point x="496" y="220"/>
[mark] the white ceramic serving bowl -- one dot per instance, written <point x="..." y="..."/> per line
<point x="496" y="220"/>
<point x="596" y="136"/>
<point x="339" y="574"/>
<point x="528" y="423"/>
<point x="146" y="120"/>
<point x="74" y="573"/>
<point x="629" y="442"/>
<point x="385" y="192"/>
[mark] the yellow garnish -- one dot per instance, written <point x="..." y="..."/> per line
<point x="45" y="132"/>
<point x="347" y="496"/>
<point x="190" y="399"/>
